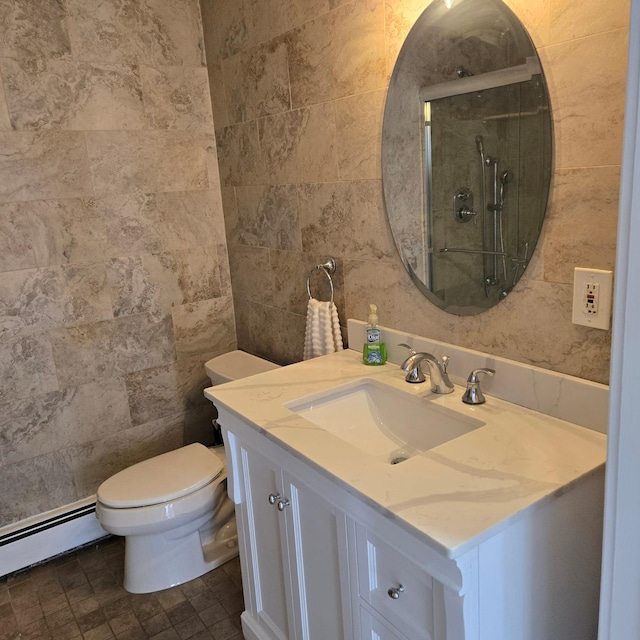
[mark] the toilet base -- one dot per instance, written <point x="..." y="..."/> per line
<point x="157" y="562"/>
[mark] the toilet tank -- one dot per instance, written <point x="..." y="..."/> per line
<point x="235" y="365"/>
<point x="225" y="368"/>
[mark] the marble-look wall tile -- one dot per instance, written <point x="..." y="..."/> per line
<point x="345" y="218"/>
<point x="35" y="299"/>
<point x="256" y="82"/>
<point x="62" y="231"/>
<point x="153" y="283"/>
<point x="47" y="164"/>
<point x="585" y="89"/>
<point x="388" y="286"/>
<point x="5" y="121"/>
<point x="205" y="326"/>
<point x="289" y="276"/>
<point x="273" y="17"/>
<point x="229" y="27"/>
<point x="217" y="93"/>
<point x="110" y="204"/>
<point x="400" y="16"/>
<point x="269" y="332"/>
<point x="177" y="98"/>
<point x="189" y="219"/>
<point x="239" y="155"/>
<point x="26" y="368"/>
<point x="150" y="283"/>
<point x="536" y="17"/>
<point x="339" y="54"/>
<point x="512" y="330"/>
<point x="251" y="274"/>
<point x="197" y="424"/>
<point x="92" y="463"/>
<point x="65" y="94"/>
<point x="587" y="96"/>
<point x="168" y="390"/>
<point x="16" y="248"/>
<point x="152" y="32"/>
<point x="153" y="394"/>
<point x="34" y="29"/>
<point x="111" y="348"/>
<point x="572" y="20"/>
<point x="225" y="270"/>
<point x="36" y="485"/>
<point x="300" y="146"/>
<point x="48" y="422"/>
<point x="132" y="223"/>
<point x="584" y="200"/>
<point x="138" y="162"/>
<point x="268" y="217"/>
<point x="359" y="135"/>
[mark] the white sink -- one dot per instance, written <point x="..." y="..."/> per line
<point x="381" y="421"/>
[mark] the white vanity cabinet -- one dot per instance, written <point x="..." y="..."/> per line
<point x="320" y="562"/>
<point x="293" y="552"/>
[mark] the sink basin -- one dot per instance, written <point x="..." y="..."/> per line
<point x="383" y="422"/>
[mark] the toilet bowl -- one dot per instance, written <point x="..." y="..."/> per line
<point x="173" y="509"/>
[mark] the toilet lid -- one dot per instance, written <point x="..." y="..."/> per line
<point x="160" y="479"/>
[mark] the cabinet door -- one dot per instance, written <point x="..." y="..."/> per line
<point x="374" y="628"/>
<point x="264" y="544"/>
<point x="318" y="564"/>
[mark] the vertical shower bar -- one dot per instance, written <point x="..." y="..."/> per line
<point x="428" y="218"/>
<point x="483" y="164"/>
<point x="495" y="207"/>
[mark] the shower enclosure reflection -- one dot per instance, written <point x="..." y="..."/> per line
<point x="479" y="182"/>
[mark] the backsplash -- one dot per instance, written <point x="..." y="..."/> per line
<point x="555" y="394"/>
<point x="114" y="283"/>
<point x="298" y="91"/>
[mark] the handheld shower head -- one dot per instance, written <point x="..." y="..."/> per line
<point x="506" y="177"/>
<point x="480" y="144"/>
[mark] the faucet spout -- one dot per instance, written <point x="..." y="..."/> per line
<point x="440" y="382"/>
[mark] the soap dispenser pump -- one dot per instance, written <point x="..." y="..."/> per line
<point x="374" y="351"/>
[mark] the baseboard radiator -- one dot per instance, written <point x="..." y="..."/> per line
<point x="36" y="539"/>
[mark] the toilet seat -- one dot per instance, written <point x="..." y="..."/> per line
<point x="165" y="478"/>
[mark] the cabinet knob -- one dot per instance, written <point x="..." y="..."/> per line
<point x="283" y="504"/>
<point x="395" y="592"/>
<point x="273" y="498"/>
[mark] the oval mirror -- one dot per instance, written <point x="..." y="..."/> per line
<point x="466" y="153"/>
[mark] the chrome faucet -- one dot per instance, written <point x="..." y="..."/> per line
<point x="440" y="382"/>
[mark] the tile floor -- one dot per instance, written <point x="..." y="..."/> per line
<point x="80" y="595"/>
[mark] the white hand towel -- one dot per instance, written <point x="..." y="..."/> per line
<point x="322" y="334"/>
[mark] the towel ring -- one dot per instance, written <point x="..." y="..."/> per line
<point x="328" y="267"/>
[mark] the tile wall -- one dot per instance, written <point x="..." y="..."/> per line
<point x="114" y="278"/>
<point x="298" y="90"/>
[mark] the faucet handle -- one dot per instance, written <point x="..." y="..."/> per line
<point x="473" y="376"/>
<point x="473" y="394"/>
<point x="412" y="351"/>
<point x="445" y="362"/>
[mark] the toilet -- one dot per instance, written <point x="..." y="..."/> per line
<point x="173" y="509"/>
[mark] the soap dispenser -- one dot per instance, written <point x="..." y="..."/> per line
<point x="374" y="351"/>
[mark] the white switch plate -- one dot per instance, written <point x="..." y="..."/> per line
<point x="592" y="293"/>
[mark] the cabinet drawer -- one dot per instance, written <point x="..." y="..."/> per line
<point x="374" y="628"/>
<point x="394" y="587"/>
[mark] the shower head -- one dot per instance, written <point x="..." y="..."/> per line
<point x="480" y="144"/>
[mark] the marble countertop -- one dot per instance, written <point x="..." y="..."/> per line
<point x="457" y="494"/>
